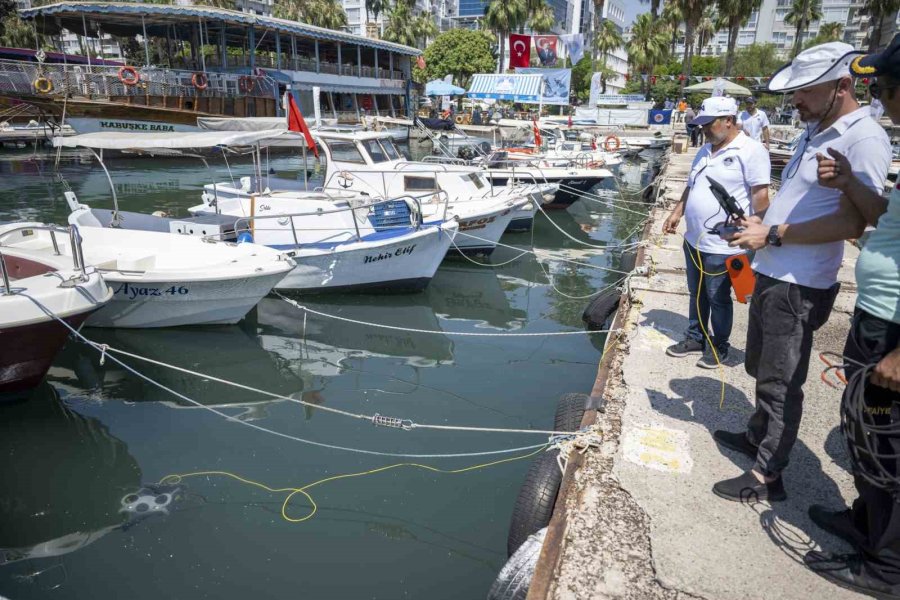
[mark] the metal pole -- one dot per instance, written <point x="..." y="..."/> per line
<point x="5" y="274"/>
<point x="305" y="177"/>
<point x="146" y="47"/>
<point x="112" y="187"/>
<point x="84" y="28"/>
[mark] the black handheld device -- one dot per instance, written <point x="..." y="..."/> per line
<point x="731" y="207"/>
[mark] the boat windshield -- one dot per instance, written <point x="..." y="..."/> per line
<point x="345" y="152"/>
<point x="390" y="149"/>
<point x="375" y="151"/>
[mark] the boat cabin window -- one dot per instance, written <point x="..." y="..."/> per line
<point x="376" y="152"/>
<point x="390" y="149"/>
<point x="568" y="147"/>
<point x="474" y="178"/>
<point x="420" y="184"/>
<point x="345" y="152"/>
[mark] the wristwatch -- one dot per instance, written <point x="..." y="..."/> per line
<point x="773" y="239"/>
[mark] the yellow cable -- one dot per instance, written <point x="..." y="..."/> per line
<point x="712" y="346"/>
<point x="176" y="478"/>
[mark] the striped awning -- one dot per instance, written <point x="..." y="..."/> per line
<point x="518" y="88"/>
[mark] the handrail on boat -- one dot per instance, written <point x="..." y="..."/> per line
<point x="75" y="240"/>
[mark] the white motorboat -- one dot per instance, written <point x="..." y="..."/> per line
<point x="36" y="292"/>
<point x="572" y="181"/>
<point x="159" y="279"/>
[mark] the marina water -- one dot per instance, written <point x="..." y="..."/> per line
<point x="82" y="514"/>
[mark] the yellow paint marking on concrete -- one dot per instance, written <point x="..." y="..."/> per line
<point x="658" y="448"/>
<point x="652" y="337"/>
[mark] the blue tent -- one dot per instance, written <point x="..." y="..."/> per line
<point x="439" y="87"/>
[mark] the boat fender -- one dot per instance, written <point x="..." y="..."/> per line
<point x="612" y="143"/>
<point x="514" y="579"/>
<point x="245" y="237"/>
<point x="200" y="81"/>
<point x="569" y="412"/>
<point x="459" y="119"/>
<point x="246" y="83"/>
<point x="129" y="76"/>
<point x="536" y="499"/>
<point x="43" y="85"/>
<point x="599" y="310"/>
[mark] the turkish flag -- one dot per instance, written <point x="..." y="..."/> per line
<point x="296" y="122"/>
<point x="519" y="50"/>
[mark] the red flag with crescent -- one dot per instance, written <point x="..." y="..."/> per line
<point x="519" y="50"/>
<point x="537" y="133"/>
<point x="296" y="122"/>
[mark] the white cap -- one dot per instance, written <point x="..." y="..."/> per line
<point x="819" y="64"/>
<point x="712" y="108"/>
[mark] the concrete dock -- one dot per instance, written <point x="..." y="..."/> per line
<point x="637" y="517"/>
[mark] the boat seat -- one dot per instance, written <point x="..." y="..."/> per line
<point x="144" y="263"/>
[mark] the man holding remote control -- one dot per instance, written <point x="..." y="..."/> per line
<point x="741" y="165"/>
<point x="800" y="244"/>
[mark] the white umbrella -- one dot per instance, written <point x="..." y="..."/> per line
<point x="730" y="88"/>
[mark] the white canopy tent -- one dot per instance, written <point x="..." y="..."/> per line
<point x="120" y="140"/>
<point x="731" y="88"/>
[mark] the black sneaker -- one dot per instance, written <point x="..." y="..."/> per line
<point x="685" y="348"/>
<point x="747" y="488"/>
<point x="712" y="361"/>
<point x="849" y="571"/>
<point x="838" y="523"/>
<point x="736" y="441"/>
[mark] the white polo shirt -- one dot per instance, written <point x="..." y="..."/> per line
<point x="739" y="166"/>
<point x="866" y="145"/>
<point x="753" y="125"/>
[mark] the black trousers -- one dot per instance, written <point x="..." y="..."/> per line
<point x="876" y="513"/>
<point x="783" y="317"/>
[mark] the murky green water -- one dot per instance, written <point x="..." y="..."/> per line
<point x="80" y="458"/>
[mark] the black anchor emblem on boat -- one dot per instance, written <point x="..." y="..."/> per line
<point x="345" y="179"/>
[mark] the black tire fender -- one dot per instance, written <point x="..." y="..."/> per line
<point x="601" y="309"/>
<point x="537" y="497"/>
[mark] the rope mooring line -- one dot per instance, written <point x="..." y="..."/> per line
<point x="302" y="307"/>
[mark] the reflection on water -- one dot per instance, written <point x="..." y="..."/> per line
<point x="404" y="532"/>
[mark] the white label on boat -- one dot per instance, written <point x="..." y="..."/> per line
<point x="133" y="292"/>
<point x="659" y="448"/>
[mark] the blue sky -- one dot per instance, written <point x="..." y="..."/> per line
<point x="633" y="8"/>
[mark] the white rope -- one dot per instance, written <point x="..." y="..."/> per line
<point x="299" y="306"/>
<point x="581" y="441"/>
<point x="583" y="196"/>
<point x="606" y="247"/>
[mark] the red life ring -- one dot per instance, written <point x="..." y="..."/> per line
<point x="129" y="76"/>
<point x="612" y="138"/>
<point x="200" y="81"/>
<point x="246" y="83"/>
<point x="596" y="164"/>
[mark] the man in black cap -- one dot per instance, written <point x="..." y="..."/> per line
<point x="870" y="407"/>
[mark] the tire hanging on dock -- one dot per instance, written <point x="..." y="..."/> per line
<point x="537" y="496"/>
<point x="599" y="310"/>
<point x="515" y="577"/>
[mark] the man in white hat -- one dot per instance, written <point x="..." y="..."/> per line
<point x="741" y="165"/>
<point x="800" y="244"/>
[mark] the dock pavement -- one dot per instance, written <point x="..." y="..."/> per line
<point x="636" y="518"/>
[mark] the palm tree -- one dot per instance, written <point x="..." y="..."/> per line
<point x="543" y="19"/>
<point x="671" y="19"/>
<point x="802" y="13"/>
<point x="707" y="28"/>
<point x="734" y="15"/>
<point x="399" y="27"/>
<point x="647" y="47"/>
<point x="606" y="40"/>
<point x="692" y="12"/>
<point x="321" y="13"/>
<point x="504" y="16"/>
<point x="830" y="32"/>
<point x="424" y="28"/>
<point x="375" y="7"/>
<point x="878" y="10"/>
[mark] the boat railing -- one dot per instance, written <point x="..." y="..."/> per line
<point x="74" y="239"/>
<point x="92" y="81"/>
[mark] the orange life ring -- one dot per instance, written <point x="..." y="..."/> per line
<point x="129" y="76"/>
<point x="595" y="164"/>
<point x="612" y="138"/>
<point x="200" y="80"/>
<point x="246" y="83"/>
<point x="42" y="85"/>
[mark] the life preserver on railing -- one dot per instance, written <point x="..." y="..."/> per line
<point x="614" y="140"/>
<point x="129" y="76"/>
<point x="246" y="83"/>
<point x="595" y="164"/>
<point x="459" y="119"/>
<point x="42" y="85"/>
<point x="200" y="81"/>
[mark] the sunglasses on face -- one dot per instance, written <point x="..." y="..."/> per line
<point x="876" y="90"/>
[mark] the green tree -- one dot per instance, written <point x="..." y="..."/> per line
<point x="581" y="78"/>
<point x="647" y="47"/>
<point x="879" y="10"/>
<point x="321" y="13"/>
<point x="734" y="15"/>
<point x="424" y="29"/>
<point x="692" y="12"/>
<point x="504" y="16"/>
<point x="671" y="19"/>
<point x="707" y="28"/>
<point x="543" y="19"/>
<point x="801" y="14"/>
<point x="375" y="8"/>
<point x="757" y="60"/>
<point x="606" y="40"/>
<point x="15" y="32"/>
<point x="399" y="27"/>
<point x="460" y="52"/>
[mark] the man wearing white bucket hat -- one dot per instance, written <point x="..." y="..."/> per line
<point x="800" y="244"/>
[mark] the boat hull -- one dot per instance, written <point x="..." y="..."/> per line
<point x="27" y="351"/>
<point x="143" y="304"/>
<point x="397" y="265"/>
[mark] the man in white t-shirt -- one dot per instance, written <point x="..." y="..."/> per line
<point x="800" y="244"/>
<point x="741" y="166"/>
<point x="755" y="123"/>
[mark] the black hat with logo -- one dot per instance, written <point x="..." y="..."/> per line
<point x="886" y="62"/>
